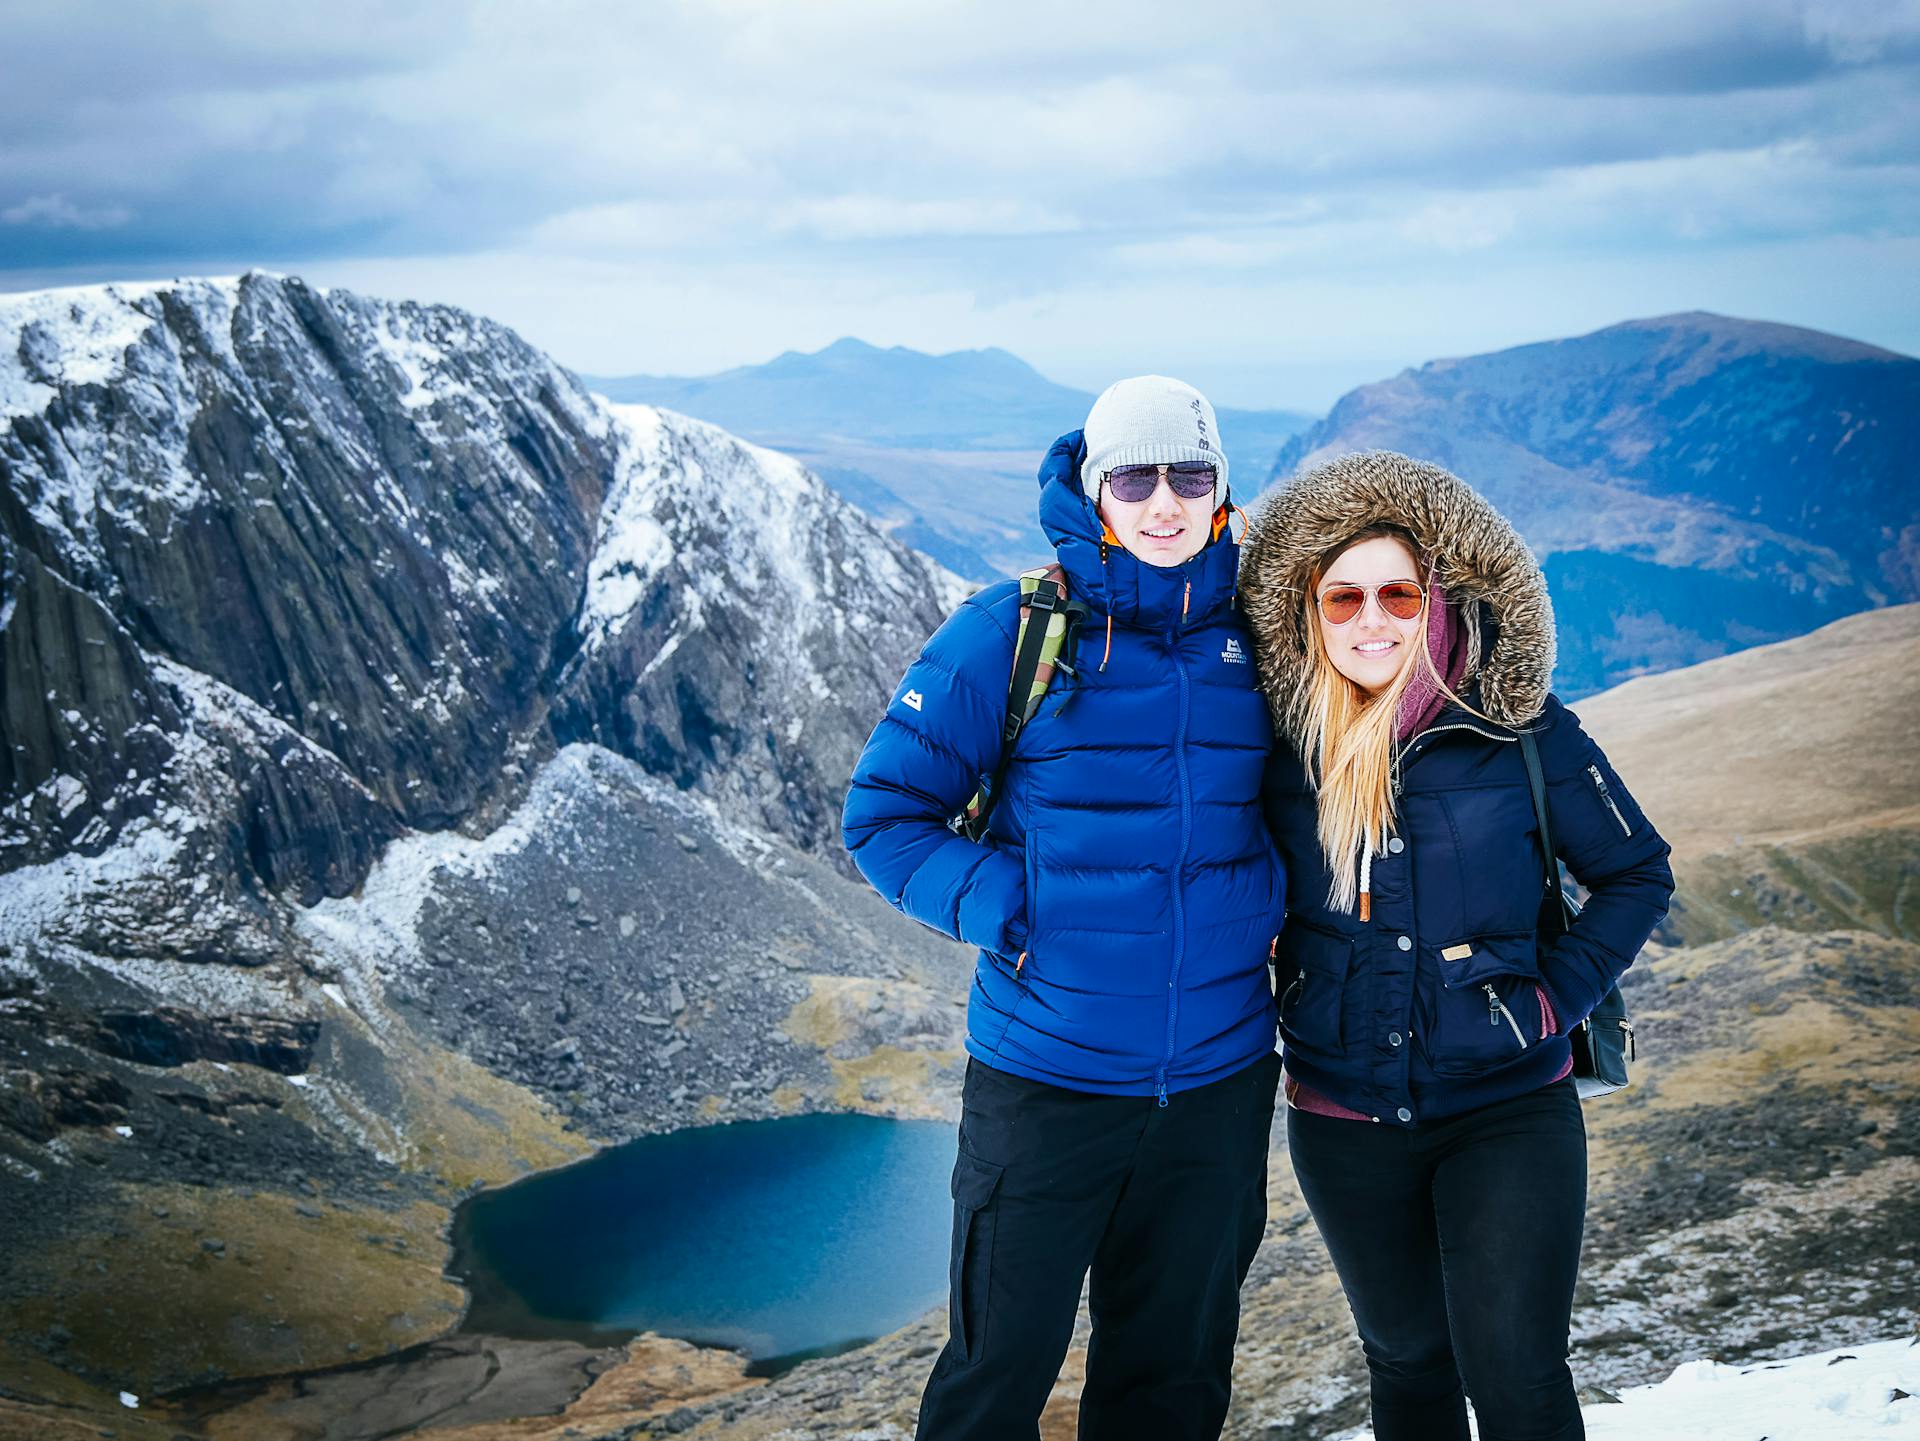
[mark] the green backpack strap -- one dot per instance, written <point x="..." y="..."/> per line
<point x="1036" y="656"/>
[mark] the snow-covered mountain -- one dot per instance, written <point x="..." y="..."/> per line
<point x="363" y="558"/>
<point x="413" y="767"/>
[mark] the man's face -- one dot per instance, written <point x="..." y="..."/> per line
<point x="1164" y="529"/>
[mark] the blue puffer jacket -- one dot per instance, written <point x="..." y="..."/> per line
<point x="1127" y="893"/>
<point x="1434" y="1005"/>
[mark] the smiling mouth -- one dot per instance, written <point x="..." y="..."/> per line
<point x="1375" y="647"/>
<point x="1162" y="534"/>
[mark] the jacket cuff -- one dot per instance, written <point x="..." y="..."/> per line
<point x="993" y="909"/>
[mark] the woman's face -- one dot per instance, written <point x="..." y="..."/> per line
<point x="1370" y="648"/>
<point x="1163" y="529"/>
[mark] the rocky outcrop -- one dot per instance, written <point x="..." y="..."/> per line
<point x="40" y="1105"/>
<point x="174" y="1035"/>
<point x="740" y="626"/>
<point x="368" y="521"/>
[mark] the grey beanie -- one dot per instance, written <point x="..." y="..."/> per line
<point x="1151" y="420"/>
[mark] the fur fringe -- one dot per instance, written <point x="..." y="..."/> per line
<point x="1484" y="564"/>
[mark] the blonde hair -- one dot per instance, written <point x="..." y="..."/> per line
<point x="1350" y="737"/>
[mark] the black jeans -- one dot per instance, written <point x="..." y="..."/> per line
<point x="1165" y="1205"/>
<point x="1457" y="1243"/>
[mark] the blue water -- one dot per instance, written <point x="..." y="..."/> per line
<point x="783" y="1239"/>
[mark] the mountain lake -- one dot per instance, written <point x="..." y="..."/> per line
<point x="785" y="1239"/>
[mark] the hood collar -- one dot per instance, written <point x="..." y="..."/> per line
<point x="1489" y="574"/>
<point x="1122" y="585"/>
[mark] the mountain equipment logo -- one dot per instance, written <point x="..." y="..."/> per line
<point x="911" y="698"/>
<point x="1232" y="655"/>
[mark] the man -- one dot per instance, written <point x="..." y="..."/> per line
<point x="1124" y="897"/>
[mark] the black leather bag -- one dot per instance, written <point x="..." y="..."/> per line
<point x="1603" y="1042"/>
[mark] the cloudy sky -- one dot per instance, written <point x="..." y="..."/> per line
<point x="1276" y="199"/>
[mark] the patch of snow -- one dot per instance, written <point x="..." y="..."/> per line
<point x="631" y="545"/>
<point x="123" y="1131"/>
<point x="128" y="1399"/>
<point x="56" y="341"/>
<point x="376" y="933"/>
<point x="36" y="897"/>
<point x="1845" y="1394"/>
<point x="68" y="794"/>
<point x="301" y="1081"/>
<point x="210" y="701"/>
<point x="379" y="928"/>
<point x="76" y="336"/>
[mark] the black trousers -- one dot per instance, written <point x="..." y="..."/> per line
<point x="1457" y="1243"/>
<point x="1165" y="1206"/>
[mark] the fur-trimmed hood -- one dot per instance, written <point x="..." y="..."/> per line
<point x="1486" y="568"/>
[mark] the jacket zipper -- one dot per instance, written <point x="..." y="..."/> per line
<point x="1179" y="872"/>
<point x="1419" y="742"/>
<point x="1600" y="784"/>
<point x="1496" y="1008"/>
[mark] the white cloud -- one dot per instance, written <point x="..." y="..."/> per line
<point x="56" y="212"/>
<point x="731" y="178"/>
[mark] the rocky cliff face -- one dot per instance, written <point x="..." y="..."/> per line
<point x="1695" y="484"/>
<point x="348" y="556"/>
<point x="415" y="770"/>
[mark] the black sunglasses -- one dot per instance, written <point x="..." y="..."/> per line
<point x="1190" y="479"/>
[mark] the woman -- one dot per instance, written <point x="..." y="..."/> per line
<point x="1405" y="639"/>
<point x="1121" y="1075"/>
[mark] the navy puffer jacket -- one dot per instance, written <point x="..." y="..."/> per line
<point x="1127" y="893"/>
<point x="1434" y="1005"/>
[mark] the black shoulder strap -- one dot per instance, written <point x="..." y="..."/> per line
<point x="1537" y="782"/>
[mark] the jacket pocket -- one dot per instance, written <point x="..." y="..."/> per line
<point x="1486" y="1005"/>
<point x="1313" y="962"/>
<point x="976" y="1185"/>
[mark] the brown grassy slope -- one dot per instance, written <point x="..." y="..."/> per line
<point x="1787" y="778"/>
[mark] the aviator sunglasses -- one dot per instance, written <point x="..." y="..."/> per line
<point x="1190" y="479"/>
<point x="1401" y="599"/>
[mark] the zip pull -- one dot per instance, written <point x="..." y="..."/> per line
<point x="1497" y="1008"/>
<point x="1019" y="963"/>
<point x="1161" y="1094"/>
<point x="1186" y="599"/>
<point x="1600" y="784"/>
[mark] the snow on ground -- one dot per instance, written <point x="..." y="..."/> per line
<point x="632" y="546"/>
<point x="81" y="336"/>
<point x="377" y="932"/>
<point x="1854" y="1393"/>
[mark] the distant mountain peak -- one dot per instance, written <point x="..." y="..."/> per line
<point x="1755" y="335"/>
<point x="1693" y="482"/>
